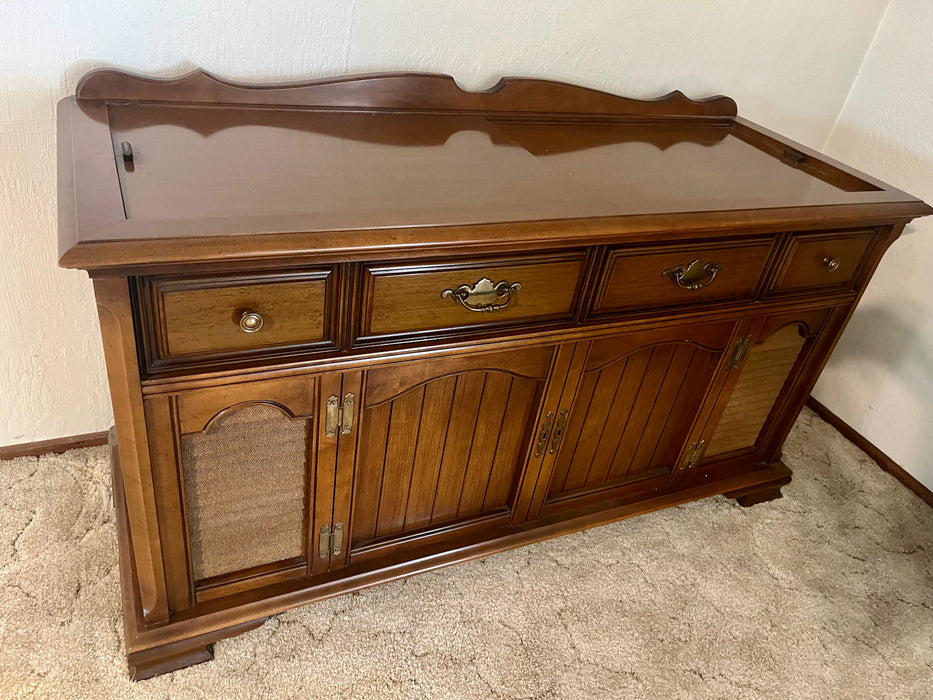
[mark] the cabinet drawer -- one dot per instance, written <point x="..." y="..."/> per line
<point x="456" y="295"/>
<point x="201" y="318"/>
<point x="639" y="278"/>
<point x="823" y="260"/>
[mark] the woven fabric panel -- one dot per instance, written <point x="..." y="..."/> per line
<point x="766" y="369"/>
<point x="245" y="490"/>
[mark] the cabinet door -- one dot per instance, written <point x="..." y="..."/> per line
<point x="637" y="399"/>
<point x="755" y="393"/>
<point x="246" y="478"/>
<point x="443" y="444"/>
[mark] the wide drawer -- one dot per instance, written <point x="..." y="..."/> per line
<point x="463" y="294"/>
<point x="647" y="277"/>
<point x="823" y="260"/>
<point x="199" y="318"/>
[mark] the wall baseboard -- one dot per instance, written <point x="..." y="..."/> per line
<point x="885" y="462"/>
<point x="56" y="445"/>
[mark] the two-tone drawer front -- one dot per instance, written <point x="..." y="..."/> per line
<point x="199" y="319"/>
<point x="451" y="296"/>
<point x="823" y="260"/>
<point x="654" y="277"/>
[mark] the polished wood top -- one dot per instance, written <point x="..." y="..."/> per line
<point x="369" y="170"/>
<point x="397" y="161"/>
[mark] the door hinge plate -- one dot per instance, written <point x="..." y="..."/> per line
<point x="739" y="352"/>
<point x="694" y="451"/>
<point x="330" y="542"/>
<point x="339" y="415"/>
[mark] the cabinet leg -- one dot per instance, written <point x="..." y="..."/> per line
<point x="185" y="652"/>
<point x="152" y="662"/>
<point x="760" y="493"/>
<point x="750" y="499"/>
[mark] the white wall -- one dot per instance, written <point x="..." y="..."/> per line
<point x="880" y="377"/>
<point x="788" y="63"/>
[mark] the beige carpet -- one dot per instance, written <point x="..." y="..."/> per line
<point x="827" y="593"/>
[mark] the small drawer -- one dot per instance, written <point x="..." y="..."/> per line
<point x="823" y="260"/>
<point x="641" y="278"/>
<point x="212" y="317"/>
<point x="458" y="295"/>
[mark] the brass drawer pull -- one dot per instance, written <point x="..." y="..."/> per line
<point x="250" y="322"/>
<point x="832" y="264"/>
<point x="484" y="295"/>
<point x="694" y="276"/>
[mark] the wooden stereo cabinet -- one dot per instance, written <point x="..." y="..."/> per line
<point x="360" y="328"/>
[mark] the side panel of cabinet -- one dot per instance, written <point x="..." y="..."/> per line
<point x="442" y="447"/>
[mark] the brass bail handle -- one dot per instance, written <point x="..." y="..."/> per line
<point x="484" y="296"/>
<point x="695" y="275"/>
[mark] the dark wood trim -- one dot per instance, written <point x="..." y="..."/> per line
<point x="130" y="244"/>
<point x="885" y="462"/>
<point x="53" y="446"/>
<point x="394" y="91"/>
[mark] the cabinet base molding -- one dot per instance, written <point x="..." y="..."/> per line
<point x="168" y="647"/>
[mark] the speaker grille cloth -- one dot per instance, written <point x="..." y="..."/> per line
<point x="245" y="490"/>
<point x="766" y="369"/>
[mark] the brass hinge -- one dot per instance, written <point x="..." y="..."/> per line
<point x="739" y="352"/>
<point x="339" y="416"/>
<point x="693" y="454"/>
<point x="330" y="542"/>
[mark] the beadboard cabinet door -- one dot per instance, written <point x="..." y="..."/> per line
<point x="636" y="398"/>
<point x="444" y="444"/>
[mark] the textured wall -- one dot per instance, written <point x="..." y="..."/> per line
<point x="788" y="64"/>
<point x="880" y="377"/>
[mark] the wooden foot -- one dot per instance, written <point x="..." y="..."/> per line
<point x="186" y="652"/>
<point x="761" y="496"/>
<point x="760" y="493"/>
<point x="152" y="662"/>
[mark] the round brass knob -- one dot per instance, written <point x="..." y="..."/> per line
<point x="832" y="264"/>
<point x="250" y="322"/>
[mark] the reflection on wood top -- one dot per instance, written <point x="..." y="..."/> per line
<point x="212" y="160"/>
